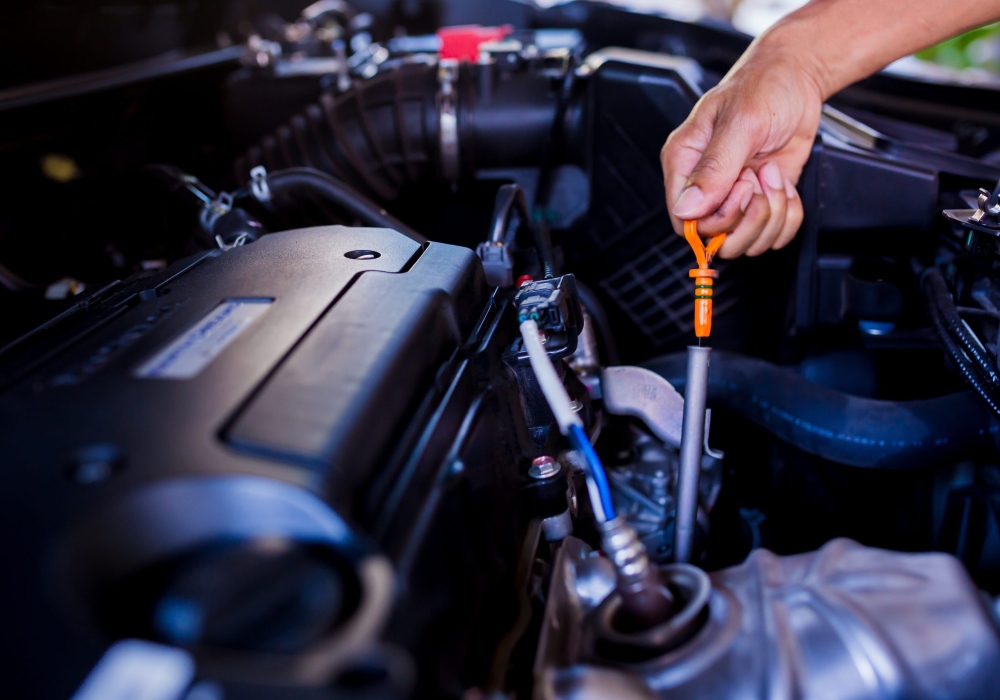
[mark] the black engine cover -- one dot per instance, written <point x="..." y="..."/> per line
<point x="336" y="391"/>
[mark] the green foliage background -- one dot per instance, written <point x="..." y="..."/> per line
<point x="965" y="51"/>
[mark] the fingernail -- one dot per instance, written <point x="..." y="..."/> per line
<point x="689" y="201"/>
<point x="790" y="189"/>
<point x="745" y="202"/>
<point x="750" y="176"/>
<point x="772" y="176"/>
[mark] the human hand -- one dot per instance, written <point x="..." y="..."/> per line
<point x="734" y="163"/>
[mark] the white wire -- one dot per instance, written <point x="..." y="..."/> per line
<point x="552" y="387"/>
<point x="595" y="498"/>
<point x="578" y="462"/>
<point x="559" y="402"/>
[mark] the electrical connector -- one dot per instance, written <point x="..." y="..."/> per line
<point x="554" y="305"/>
<point x="497" y="265"/>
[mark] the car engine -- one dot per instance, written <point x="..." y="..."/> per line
<point x="349" y="353"/>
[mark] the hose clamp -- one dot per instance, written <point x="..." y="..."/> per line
<point x="258" y="184"/>
<point x="448" y="119"/>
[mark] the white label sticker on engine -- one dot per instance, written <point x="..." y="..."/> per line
<point x="193" y="351"/>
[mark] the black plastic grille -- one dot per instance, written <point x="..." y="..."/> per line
<point x="656" y="293"/>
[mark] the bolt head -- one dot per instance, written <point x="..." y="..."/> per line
<point x="544" y="468"/>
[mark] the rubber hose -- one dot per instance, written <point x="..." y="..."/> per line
<point x="377" y="136"/>
<point x="850" y="430"/>
<point x="286" y="182"/>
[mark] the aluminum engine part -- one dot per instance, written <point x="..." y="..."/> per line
<point x="635" y="391"/>
<point x="846" y="621"/>
<point x="644" y="491"/>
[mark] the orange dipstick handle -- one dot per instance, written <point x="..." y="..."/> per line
<point x="703" y="276"/>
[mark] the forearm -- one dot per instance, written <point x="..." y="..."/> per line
<point x="842" y="41"/>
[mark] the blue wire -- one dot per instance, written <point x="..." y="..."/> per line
<point x="579" y="440"/>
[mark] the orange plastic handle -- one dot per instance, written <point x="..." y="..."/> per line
<point x="703" y="276"/>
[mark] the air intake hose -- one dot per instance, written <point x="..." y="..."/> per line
<point x="386" y="131"/>
<point x="847" y="429"/>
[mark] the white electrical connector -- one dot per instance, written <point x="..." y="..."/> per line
<point x="545" y="372"/>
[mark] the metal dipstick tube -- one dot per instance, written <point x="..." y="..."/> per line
<point x="692" y="441"/>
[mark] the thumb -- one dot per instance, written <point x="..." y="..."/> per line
<point x="718" y="169"/>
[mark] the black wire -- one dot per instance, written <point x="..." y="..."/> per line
<point x="552" y="147"/>
<point x="550" y="153"/>
<point x="973" y="311"/>
<point x="283" y="183"/>
<point x="950" y="323"/>
<point x="511" y="199"/>
<point x="965" y="366"/>
<point x="181" y="182"/>
<point x="954" y="336"/>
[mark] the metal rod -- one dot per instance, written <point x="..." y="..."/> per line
<point x="692" y="440"/>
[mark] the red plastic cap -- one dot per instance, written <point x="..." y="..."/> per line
<point x="463" y="43"/>
<point x="524" y="279"/>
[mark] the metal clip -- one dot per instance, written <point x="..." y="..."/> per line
<point x="448" y="120"/>
<point x="212" y="210"/>
<point x="713" y="453"/>
<point x="988" y="208"/>
<point x="258" y="184"/>
<point x="984" y="219"/>
<point x="223" y="204"/>
<point x="240" y="240"/>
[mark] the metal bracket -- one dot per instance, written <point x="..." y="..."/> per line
<point x="985" y="218"/>
<point x="988" y="208"/>
<point x="634" y="391"/>
<point x="713" y="453"/>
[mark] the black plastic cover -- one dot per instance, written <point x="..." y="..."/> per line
<point x="123" y="448"/>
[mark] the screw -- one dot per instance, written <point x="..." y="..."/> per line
<point x="543" y="468"/>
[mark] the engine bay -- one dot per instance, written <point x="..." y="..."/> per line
<point x="349" y="353"/>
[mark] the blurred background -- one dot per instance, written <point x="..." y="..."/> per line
<point x="970" y="58"/>
<point x="43" y="39"/>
